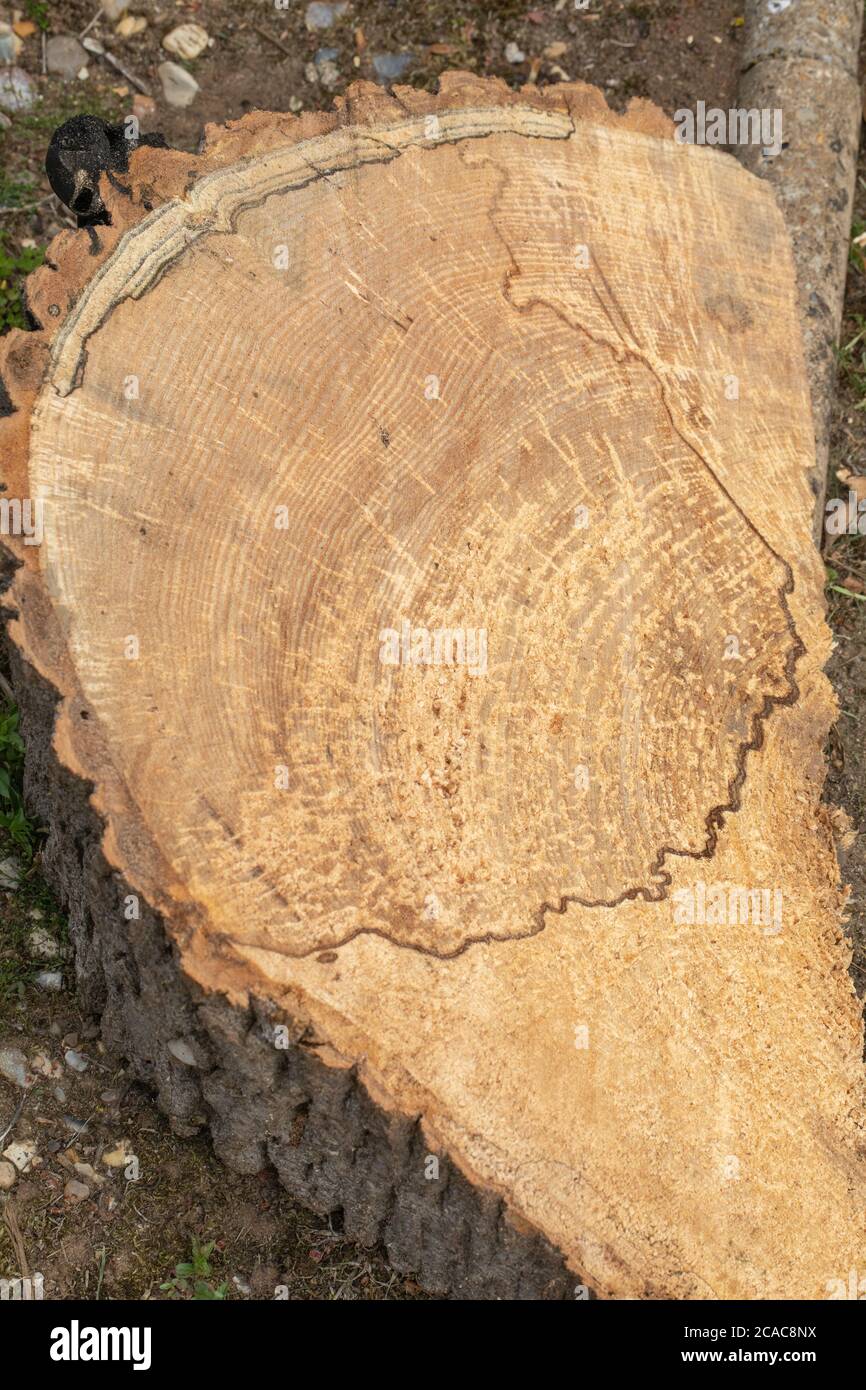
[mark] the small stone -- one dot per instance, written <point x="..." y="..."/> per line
<point x="59" y="1095"/>
<point x="76" y="1191"/>
<point x="183" y="1052"/>
<point x="130" y="25"/>
<point x="186" y="41"/>
<point x="45" y="1067"/>
<point x="513" y="54"/>
<point x="143" y="106"/>
<point x="179" y="87"/>
<point x="10" y="44"/>
<point x="10" y="869"/>
<point x="42" y="944"/>
<point x="320" y="16"/>
<point x="8" y="1175"/>
<point x="77" y="1126"/>
<point x="119" y="1157"/>
<point x="24" y="28"/>
<point x="50" y="980"/>
<point x="17" y="93"/>
<point x="70" y="1040"/>
<point x="75" y="1060"/>
<point x="390" y="67"/>
<point x="65" y="57"/>
<point x="13" y="1066"/>
<point x="23" y="1153"/>
<point x="295" y="103"/>
<point x="325" y="66"/>
<point x="556" y="50"/>
<point x="113" y="9"/>
<point x="89" y="1174"/>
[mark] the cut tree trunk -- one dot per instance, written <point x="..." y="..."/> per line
<point x="421" y="677"/>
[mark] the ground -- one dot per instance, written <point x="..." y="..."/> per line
<point x="119" y="1228"/>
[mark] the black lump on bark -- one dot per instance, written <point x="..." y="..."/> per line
<point x="83" y="149"/>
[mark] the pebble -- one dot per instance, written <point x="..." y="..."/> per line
<point x="186" y="41"/>
<point x="320" y="16"/>
<point x="113" y="9"/>
<point x="8" y="1175"/>
<point x="556" y="50"/>
<point x="13" y="1066"/>
<point x="389" y="67"/>
<point x="119" y="1157"/>
<point x="10" y="44"/>
<point x="130" y="25"/>
<point x="45" y="1067"/>
<point x="42" y="944"/>
<point x="182" y="1052"/>
<point x="86" y="1171"/>
<point x="76" y="1191"/>
<point x="77" y="1126"/>
<point x="179" y="87"/>
<point x="143" y="106"/>
<point x="324" y="68"/>
<point x="10" y="869"/>
<point x="65" y="56"/>
<point x="52" y="980"/>
<point x="17" y="93"/>
<point x="513" y="54"/>
<point x="23" y="1153"/>
<point x="75" y="1060"/>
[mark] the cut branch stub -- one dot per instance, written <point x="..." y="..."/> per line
<point x="411" y="579"/>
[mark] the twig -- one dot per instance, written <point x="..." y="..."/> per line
<point x="270" y="38"/>
<point x="7" y="689"/>
<point x="28" y="207"/>
<point x="44" y="54"/>
<point x="837" y="589"/>
<point x="94" y="46"/>
<point x="87" y="28"/>
<point x="16" y="1116"/>
<point x="17" y="1239"/>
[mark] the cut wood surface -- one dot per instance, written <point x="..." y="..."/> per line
<point x="428" y="586"/>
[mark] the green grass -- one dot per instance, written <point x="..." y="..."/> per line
<point x="14" y="267"/>
<point x="851" y="360"/>
<point x="16" y="193"/>
<point x="37" y="11"/>
<point x="13" y="818"/>
<point x="32" y="905"/>
<point x="192" y="1277"/>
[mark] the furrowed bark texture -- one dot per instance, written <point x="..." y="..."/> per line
<point x="512" y="365"/>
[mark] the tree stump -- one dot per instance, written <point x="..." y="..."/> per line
<point x="421" y="677"/>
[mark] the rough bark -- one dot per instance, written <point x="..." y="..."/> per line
<point x="435" y="907"/>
